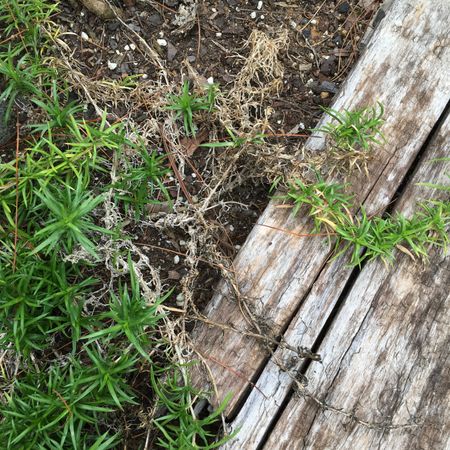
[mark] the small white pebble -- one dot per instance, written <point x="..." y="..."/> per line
<point x="112" y="65"/>
<point x="237" y="247"/>
<point x="231" y="228"/>
<point x="262" y="17"/>
<point x="144" y="76"/>
<point x="293" y="24"/>
<point x="301" y="125"/>
<point x="180" y="299"/>
<point x="126" y="48"/>
<point x="218" y="34"/>
<point x="182" y="243"/>
<point x="314" y="21"/>
<point x="260" y="5"/>
<point x="213" y="9"/>
<point x="161" y="42"/>
<point x="176" y="259"/>
<point x="210" y="80"/>
<point x="161" y="34"/>
<point x="253" y="15"/>
<point x="84" y="36"/>
<point x="278" y="122"/>
<point x="133" y="47"/>
<point x="194" y="175"/>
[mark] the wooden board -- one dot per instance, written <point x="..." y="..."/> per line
<point x="385" y="356"/>
<point x="404" y="67"/>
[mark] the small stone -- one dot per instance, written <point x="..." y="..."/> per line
<point x="112" y="65"/>
<point x="161" y="42"/>
<point x="84" y="36"/>
<point x="176" y="259"/>
<point x="329" y="66"/>
<point x="324" y="94"/>
<point x="134" y="27"/>
<point x="191" y="58"/>
<point x="180" y="299"/>
<point x="133" y="47"/>
<point x="126" y="48"/>
<point x="218" y="34"/>
<point x="253" y="15"/>
<point x="259" y="5"/>
<point x="210" y="80"/>
<point x="343" y="8"/>
<point x="155" y="20"/>
<point x="182" y="243"/>
<point x="338" y="41"/>
<point x="328" y="86"/>
<point x="171" y="51"/>
<point x="306" y="33"/>
<point x="173" y="275"/>
<point x="112" y="26"/>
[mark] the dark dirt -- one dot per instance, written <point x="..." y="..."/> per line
<point x="323" y="45"/>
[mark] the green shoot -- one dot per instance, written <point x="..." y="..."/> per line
<point x="355" y="130"/>
<point x="179" y="427"/>
<point x="369" y="238"/>
<point x="140" y="185"/>
<point x="66" y="219"/>
<point x="186" y="104"/>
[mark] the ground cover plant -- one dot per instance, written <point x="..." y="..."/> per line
<point x="369" y="237"/>
<point x="68" y="358"/>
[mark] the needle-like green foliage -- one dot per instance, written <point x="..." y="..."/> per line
<point x="186" y="104"/>
<point x="180" y="428"/>
<point x="141" y="182"/>
<point x="369" y="238"/>
<point x="66" y="219"/>
<point x="355" y="130"/>
<point x="130" y="316"/>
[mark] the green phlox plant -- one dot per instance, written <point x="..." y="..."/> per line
<point x="66" y="218"/>
<point x="355" y="130"/>
<point x="369" y="238"/>
<point x="179" y="427"/>
<point x="139" y="184"/>
<point x="185" y="104"/>
<point x="131" y="316"/>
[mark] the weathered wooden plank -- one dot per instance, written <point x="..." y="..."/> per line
<point x="404" y="67"/>
<point x="385" y="356"/>
<point x="275" y="383"/>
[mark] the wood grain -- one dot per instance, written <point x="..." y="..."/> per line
<point x="404" y="67"/>
<point x="385" y="356"/>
